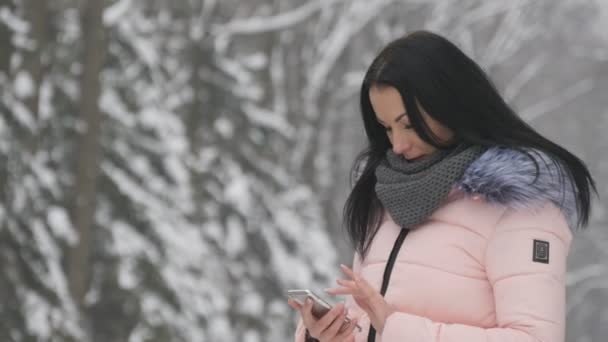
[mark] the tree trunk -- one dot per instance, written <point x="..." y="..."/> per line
<point x="83" y="209"/>
<point x="5" y="39"/>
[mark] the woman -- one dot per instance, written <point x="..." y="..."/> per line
<point x="461" y="214"/>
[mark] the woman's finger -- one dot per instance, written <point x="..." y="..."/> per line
<point x="324" y="322"/>
<point x="365" y="295"/>
<point x="339" y="291"/>
<point x="331" y="331"/>
<point x="349" y="338"/>
<point x="295" y="305"/>
<point x="347" y="283"/>
<point x="361" y="283"/>
<point x="363" y="288"/>
<point x="349" y="328"/>
<point x="307" y="318"/>
<point x="374" y="297"/>
<point x="346" y="270"/>
<point x="358" y="283"/>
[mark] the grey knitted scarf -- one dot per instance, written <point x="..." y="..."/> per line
<point x="412" y="190"/>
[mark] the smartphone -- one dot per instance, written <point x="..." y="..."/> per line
<point x="319" y="306"/>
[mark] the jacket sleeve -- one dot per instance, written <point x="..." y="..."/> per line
<point x="300" y="334"/>
<point x="529" y="295"/>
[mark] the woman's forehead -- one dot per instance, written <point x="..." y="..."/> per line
<point x="387" y="103"/>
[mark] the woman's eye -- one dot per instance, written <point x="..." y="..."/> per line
<point x="388" y="129"/>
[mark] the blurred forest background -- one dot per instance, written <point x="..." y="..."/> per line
<point x="168" y="168"/>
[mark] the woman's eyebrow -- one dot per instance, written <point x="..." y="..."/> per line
<point x="396" y="119"/>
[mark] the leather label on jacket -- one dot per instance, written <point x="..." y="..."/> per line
<point x="540" y="251"/>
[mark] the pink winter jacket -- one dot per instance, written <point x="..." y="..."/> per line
<point x="487" y="266"/>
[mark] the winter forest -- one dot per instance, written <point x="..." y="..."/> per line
<point x="168" y="168"/>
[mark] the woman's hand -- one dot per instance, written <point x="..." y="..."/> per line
<point x="365" y="296"/>
<point x="327" y="328"/>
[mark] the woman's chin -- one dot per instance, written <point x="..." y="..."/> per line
<point x="420" y="157"/>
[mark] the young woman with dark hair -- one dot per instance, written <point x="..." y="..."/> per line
<point x="487" y="205"/>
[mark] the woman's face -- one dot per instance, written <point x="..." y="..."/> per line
<point x="391" y="113"/>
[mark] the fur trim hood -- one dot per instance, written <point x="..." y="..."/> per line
<point x="508" y="177"/>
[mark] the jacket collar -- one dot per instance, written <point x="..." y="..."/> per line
<point x="508" y="177"/>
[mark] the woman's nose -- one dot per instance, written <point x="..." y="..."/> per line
<point x="401" y="145"/>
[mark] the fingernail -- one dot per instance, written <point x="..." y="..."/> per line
<point x="342" y="265"/>
<point x="308" y="301"/>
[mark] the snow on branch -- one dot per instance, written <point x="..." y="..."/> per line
<point x="115" y="12"/>
<point x="554" y="102"/>
<point x="352" y="22"/>
<point x="529" y="71"/>
<point x="255" y="25"/>
<point x="268" y="119"/>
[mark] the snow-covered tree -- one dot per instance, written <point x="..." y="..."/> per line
<point x="169" y="168"/>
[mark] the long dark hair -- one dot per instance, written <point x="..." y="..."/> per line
<point x="456" y="92"/>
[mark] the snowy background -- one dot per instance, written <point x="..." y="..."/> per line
<point x="169" y="167"/>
